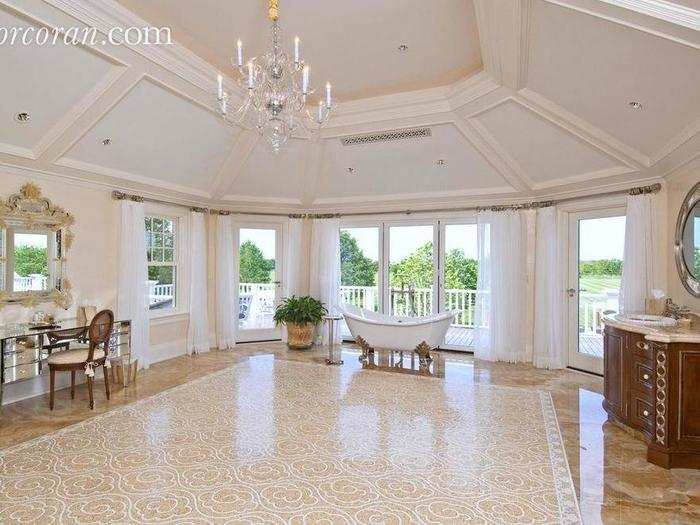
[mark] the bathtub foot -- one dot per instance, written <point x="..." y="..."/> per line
<point x="423" y="351"/>
<point x="366" y="349"/>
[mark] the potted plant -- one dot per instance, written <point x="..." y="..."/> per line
<point x="301" y="315"/>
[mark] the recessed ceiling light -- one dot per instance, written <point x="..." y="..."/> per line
<point x="635" y="105"/>
<point x="22" y="118"/>
<point x="106" y="142"/>
<point x="441" y="163"/>
<point x="403" y="48"/>
<point x="351" y="170"/>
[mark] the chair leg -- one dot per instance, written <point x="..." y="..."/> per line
<point x="52" y="378"/>
<point x="106" y="376"/>
<point x="89" y="383"/>
<point x="72" y="384"/>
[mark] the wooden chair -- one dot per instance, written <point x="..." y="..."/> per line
<point x="85" y="359"/>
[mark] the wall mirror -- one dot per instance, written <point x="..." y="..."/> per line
<point x="687" y="245"/>
<point x="34" y="238"/>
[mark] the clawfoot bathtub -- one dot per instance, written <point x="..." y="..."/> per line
<point x="418" y="334"/>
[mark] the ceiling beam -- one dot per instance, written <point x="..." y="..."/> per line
<point x="489" y="148"/>
<point x="233" y="166"/>
<point x="86" y="113"/>
<point x="504" y="30"/>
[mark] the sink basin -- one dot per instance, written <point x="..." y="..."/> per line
<point x="647" y="320"/>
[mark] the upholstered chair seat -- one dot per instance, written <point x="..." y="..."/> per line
<point x="76" y="356"/>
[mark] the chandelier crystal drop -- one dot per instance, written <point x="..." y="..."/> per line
<point x="276" y="92"/>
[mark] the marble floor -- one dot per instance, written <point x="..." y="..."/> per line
<point x="612" y="480"/>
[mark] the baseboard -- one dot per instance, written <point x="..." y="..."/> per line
<point x="39" y="386"/>
<point x="169" y="350"/>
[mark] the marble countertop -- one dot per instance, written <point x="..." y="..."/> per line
<point x="660" y="334"/>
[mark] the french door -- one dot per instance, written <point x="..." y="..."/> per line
<point x="412" y="269"/>
<point x="596" y="247"/>
<point x="259" y="280"/>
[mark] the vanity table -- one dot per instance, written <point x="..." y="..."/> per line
<point x="652" y="387"/>
<point x="23" y="350"/>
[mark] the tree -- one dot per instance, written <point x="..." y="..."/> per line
<point x="254" y="267"/>
<point x="356" y="269"/>
<point x="460" y="272"/>
<point x="31" y="260"/>
<point x="601" y="267"/>
<point x="416" y="269"/>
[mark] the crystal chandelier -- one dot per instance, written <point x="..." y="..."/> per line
<point x="276" y="88"/>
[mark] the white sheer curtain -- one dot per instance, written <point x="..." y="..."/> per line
<point x="550" y="299"/>
<point x="132" y="298"/>
<point x="226" y="283"/>
<point x="293" y="261"/>
<point x="501" y="288"/>
<point x="641" y="266"/>
<point x="324" y="281"/>
<point x="198" y="329"/>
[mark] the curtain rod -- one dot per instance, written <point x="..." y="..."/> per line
<point x="639" y="190"/>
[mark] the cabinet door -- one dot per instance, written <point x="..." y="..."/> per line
<point x="614" y="378"/>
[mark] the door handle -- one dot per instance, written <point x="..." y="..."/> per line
<point x="571" y="292"/>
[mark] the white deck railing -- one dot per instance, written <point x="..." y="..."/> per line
<point x="29" y="283"/>
<point x="463" y="304"/>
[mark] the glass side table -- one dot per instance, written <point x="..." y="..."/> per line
<point x="331" y="322"/>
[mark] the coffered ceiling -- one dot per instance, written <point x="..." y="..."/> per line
<point x="523" y="99"/>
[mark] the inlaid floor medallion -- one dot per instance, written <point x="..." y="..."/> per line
<point x="272" y="441"/>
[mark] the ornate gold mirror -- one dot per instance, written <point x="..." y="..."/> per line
<point x="34" y="238"/>
<point x="687" y="246"/>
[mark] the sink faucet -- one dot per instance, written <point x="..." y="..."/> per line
<point x="676" y="311"/>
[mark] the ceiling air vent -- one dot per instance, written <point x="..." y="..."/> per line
<point x="386" y="136"/>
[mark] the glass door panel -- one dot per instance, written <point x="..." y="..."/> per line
<point x="259" y="286"/>
<point x="411" y="272"/>
<point x="458" y="288"/>
<point x="596" y="245"/>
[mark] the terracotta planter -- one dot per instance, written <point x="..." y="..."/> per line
<point x="300" y="337"/>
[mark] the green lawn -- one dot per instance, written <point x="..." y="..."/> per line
<point x="599" y="283"/>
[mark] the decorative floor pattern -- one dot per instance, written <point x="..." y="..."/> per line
<point x="282" y="442"/>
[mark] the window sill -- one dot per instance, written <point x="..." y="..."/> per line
<point x="168" y="317"/>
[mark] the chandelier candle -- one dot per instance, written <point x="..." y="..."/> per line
<point x="239" y="53"/>
<point x="275" y="91"/>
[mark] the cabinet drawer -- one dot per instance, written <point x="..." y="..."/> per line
<point x="642" y="413"/>
<point x="22" y="372"/>
<point x="642" y="378"/>
<point x="642" y="348"/>
<point x="22" y="357"/>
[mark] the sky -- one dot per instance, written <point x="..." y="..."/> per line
<point x="602" y="238"/>
<point x="263" y="239"/>
<point x="31" y="239"/>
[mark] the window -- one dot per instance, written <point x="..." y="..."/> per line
<point x="162" y="255"/>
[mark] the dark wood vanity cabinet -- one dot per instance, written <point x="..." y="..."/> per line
<point x="654" y="388"/>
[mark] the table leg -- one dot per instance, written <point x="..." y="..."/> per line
<point x="331" y="340"/>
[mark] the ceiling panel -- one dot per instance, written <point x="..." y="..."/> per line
<point x="594" y="68"/>
<point x="354" y="44"/>
<point x="406" y="167"/>
<point x="274" y="176"/>
<point x="44" y="81"/>
<point x="543" y="150"/>
<point x="157" y="134"/>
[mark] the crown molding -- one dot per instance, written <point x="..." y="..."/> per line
<point x="673" y="13"/>
<point x="614" y="12"/>
<point x="131" y="177"/>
